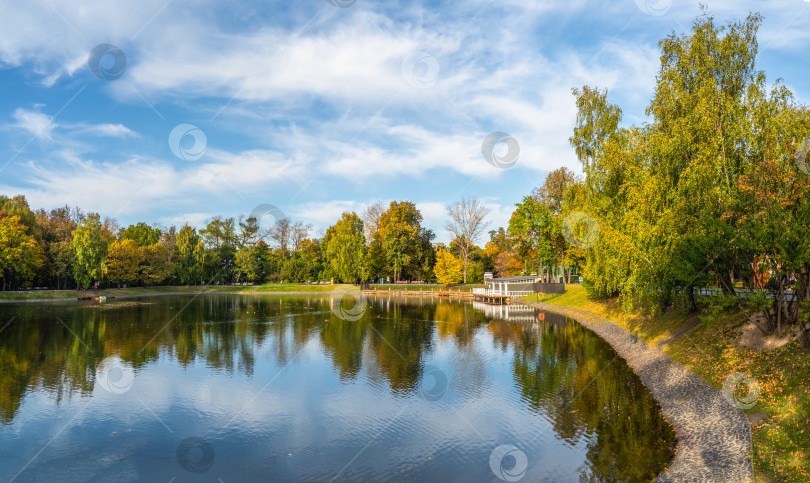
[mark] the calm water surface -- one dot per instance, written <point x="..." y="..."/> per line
<point x="243" y="388"/>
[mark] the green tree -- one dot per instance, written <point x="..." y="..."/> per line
<point x="249" y="232"/>
<point x="254" y="264"/>
<point x="142" y="234"/>
<point x="220" y="239"/>
<point x="296" y="269"/>
<point x="345" y="248"/>
<point x="219" y="232"/>
<point x="89" y="249"/>
<point x="246" y="265"/>
<point x="404" y="243"/>
<point x="156" y="264"/>
<point x="554" y="188"/>
<point x="188" y="255"/>
<point x="57" y="228"/>
<point x="534" y="231"/>
<point x="680" y="202"/>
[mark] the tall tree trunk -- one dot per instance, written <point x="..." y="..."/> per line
<point x="725" y="283"/>
<point x="803" y="287"/>
<point x="692" y="303"/>
<point x="465" y="266"/>
<point x="779" y="312"/>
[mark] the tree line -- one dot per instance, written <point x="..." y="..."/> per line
<point x="65" y="248"/>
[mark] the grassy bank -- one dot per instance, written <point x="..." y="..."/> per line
<point x="269" y="288"/>
<point x="709" y="348"/>
<point x="112" y="292"/>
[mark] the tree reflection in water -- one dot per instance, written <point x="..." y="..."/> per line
<point x="560" y="370"/>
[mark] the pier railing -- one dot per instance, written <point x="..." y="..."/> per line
<point x="508" y="293"/>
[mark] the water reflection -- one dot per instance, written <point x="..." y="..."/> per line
<point x="519" y="366"/>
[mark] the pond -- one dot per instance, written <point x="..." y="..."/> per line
<point x="290" y="388"/>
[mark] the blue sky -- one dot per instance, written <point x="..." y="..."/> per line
<point x="318" y="109"/>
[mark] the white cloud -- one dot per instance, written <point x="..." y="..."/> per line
<point x="44" y="127"/>
<point x="356" y="59"/>
<point x="139" y="186"/>
<point x="324" y="213"/>
<point x="110" y="130"/>
<point x="35" y="123"/>
<point x="198" y="220"/>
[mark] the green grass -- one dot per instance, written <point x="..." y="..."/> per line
<point x="654" y="330"/>
<point x="782" y="441"/>
<point x="113" y="292"/>
<point x="40" y="294"/>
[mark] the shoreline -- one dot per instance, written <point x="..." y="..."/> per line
<point x="714" y="437"/>
<point x="163" y="294"/>
<point x="339" y="289"/>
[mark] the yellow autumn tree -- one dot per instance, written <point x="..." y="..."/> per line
<point x="122" y="264"/>
<point x="20" y="254"/>
<point x="448" y="268"/>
